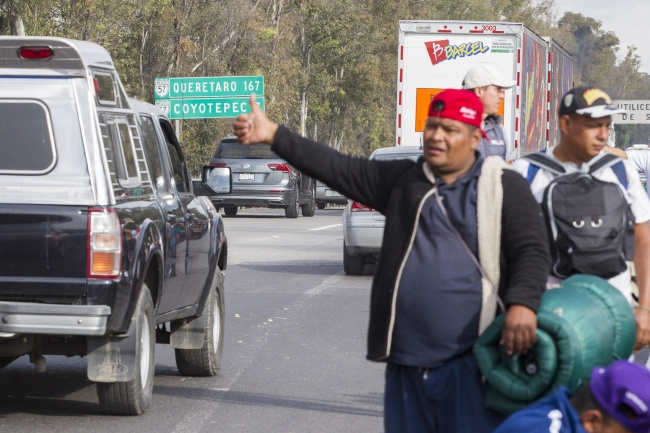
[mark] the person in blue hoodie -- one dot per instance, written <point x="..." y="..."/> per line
<point x="616" y="400"/>
<point x="487" y="83"/>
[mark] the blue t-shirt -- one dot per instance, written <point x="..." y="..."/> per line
<point x="553" y="414"/>
<point x="439" y="294"/>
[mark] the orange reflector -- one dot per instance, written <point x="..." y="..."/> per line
<point x="104" y="243"/>
<point x="102" y="263"/>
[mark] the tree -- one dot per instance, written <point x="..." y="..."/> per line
<point x="594" y="49"/>
<point x="11" y="21"/>
<point x="329" y="65"/>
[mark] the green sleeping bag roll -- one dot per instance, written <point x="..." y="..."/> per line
<point x="617" y="307"/>
<point x="580" y="325"/>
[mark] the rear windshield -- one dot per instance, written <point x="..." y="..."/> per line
<point x="26" y="142"/>
<point x="234" y="150"/>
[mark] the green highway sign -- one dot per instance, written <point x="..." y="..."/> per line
<point x="208" y="87"/>
<point x="206" y="108"/>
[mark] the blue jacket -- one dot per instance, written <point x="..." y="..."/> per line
<point x="495" y="144"/>
<point x="554" y="414"/>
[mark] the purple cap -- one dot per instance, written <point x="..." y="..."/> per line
<point x="624" y="383"/>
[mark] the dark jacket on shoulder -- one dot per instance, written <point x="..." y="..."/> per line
<point x="396" y="189"/>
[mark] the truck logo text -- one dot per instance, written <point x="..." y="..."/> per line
<point x="441" y="50"/>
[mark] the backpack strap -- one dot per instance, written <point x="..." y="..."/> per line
<point x="621" y="174"/>
<point x="542" y="160"/>
<point x="615" y="163"/>
<point x="532" y="172"/>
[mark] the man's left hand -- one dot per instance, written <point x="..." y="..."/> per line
<point x="518" y="333"/>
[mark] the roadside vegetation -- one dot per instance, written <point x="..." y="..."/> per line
<point x="329" y="65"/>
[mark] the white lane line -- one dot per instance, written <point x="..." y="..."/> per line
<point x="326" y="227"/>
<point x="332" y="281"/>
<point x="202" y="413"/>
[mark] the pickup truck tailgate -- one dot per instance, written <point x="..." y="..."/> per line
<point x="43" y="250"/>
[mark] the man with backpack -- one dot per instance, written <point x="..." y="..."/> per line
<point x="595" y="207"/>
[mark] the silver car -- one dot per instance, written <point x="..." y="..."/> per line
<point x="325" y="195"/>
<point x="260" y="178"/>
<point x="363" y="227"/>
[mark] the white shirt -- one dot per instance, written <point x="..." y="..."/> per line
<point x="634" y="194"/>
<point x="640" y="158"/>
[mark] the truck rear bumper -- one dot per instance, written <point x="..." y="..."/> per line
<point x="30" y="318"/>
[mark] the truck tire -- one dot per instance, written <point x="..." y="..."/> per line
<point x="321" y="205"/>
<point x="205" y="361"/>
<point x="230" y="210"/>
<point x="291" y="211"/>
<point x="353" y="265"/>
<point x="134" y="397"/>
<point x="309" y="209"/>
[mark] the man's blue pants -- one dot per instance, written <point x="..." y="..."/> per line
<point x="445" y="399"/>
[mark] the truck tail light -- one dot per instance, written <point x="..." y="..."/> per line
<point x="35" y="53"/>
<point x="284" y="168"/>
<point x="358" y="207"/>
<point x="218" y="164"/>
<point x="104" y="243"/>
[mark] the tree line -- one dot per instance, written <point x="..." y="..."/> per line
<point x="329" y="65"/>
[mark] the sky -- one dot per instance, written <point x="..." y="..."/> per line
<point x="628" y="19"/>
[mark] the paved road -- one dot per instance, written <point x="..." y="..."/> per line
<point x="294" y="354"/>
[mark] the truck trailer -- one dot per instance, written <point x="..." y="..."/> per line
<point x="436" y="55"/>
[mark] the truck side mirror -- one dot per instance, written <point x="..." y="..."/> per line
<point x="218" y="179"/>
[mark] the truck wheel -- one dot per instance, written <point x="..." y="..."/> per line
<point x="353" y="265"/>
<point x="134" y="397"/>
<point x="291" y="211"/>
<point x="205" y="361"/>
<point x="321" y="205"/>
<point x="230" y="210"/>
<point x="309" y="209"/>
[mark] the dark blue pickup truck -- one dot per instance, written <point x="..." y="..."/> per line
<point x="107" y="246"/>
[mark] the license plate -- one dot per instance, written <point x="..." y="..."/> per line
<point x="246" y="176"/>
<point x="331" y="193"/>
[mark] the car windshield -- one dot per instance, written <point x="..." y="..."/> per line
<point x="387" y="156"/>
<point x="233" y="150"/>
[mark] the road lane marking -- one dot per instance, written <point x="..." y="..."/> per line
<point x="326" y="227"/>
<point x="202" y="414"/>
<point x="333" y="281"/>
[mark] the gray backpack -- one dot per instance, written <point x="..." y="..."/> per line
<point x="589" y="221"/>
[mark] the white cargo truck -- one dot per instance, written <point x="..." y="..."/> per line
<point x="435" y="55"/>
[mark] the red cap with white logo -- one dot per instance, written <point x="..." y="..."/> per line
<point x="461" y="105"/>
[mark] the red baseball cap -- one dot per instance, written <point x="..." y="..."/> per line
<point x="461" y="105"/>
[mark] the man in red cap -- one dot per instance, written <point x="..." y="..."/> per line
<point x="461" y="236"/>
